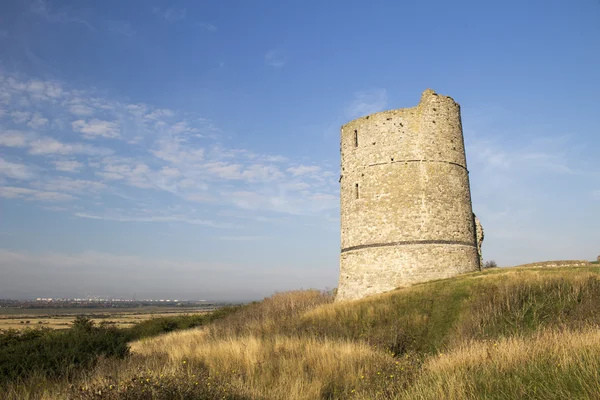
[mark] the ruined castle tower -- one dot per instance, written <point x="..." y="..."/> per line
<point x="406" y="214"/>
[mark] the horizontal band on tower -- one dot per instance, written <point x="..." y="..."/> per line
<point x="411" y="161"/>
<point x="409" y="242"/>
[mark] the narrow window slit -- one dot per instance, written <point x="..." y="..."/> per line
<point x="355" y="138"/>
<point x="356" y="187"/>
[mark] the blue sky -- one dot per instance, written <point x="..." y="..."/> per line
<point x="191" y="149"/>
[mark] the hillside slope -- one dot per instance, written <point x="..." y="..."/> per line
<point x="499" y="334"/>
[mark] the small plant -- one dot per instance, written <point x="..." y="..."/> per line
<point x="83" y="323"/>
<point x="490" y="264"/>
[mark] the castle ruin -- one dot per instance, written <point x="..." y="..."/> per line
<point x="406" y="214"/>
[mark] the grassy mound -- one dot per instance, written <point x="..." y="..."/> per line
<point x="502" y="333"/>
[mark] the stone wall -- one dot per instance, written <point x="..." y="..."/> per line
<point x="406" y="214"/>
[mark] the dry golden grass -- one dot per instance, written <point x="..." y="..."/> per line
<point x="277" y="367"/>
<point x="261" y="363"/>
<point x="276" y="314"/>
<point x="550" y="365"/>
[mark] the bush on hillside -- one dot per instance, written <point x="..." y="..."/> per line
<point x="490" y="264"/>
<point x="57" y="353"/>
<point x="48" y="353"/>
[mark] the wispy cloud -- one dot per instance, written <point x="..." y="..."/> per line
<point x="96" y="128"/>
<point x="367" y="102"/>
<point x="207" y="26"/>
<point x="241" y="238"/>
<point x="273" y="58"/>
<point x="303" y="170"/>
<point x="538" y="155"/>
<point x="70" y="185"/>
<point x="144" y="148"/>
<point x="41" y="8"/>
<point x="13" y="138"/>
<point x="158" y="219"/>
<point x="121" y="27"/>
<point x="14" y="170"/>
<point x="170" y="14"/>
<point x="68" y="165"/>
<point x="44" y="145"/>
<point x="12" y="192"/>
<point x="38" y="122"/>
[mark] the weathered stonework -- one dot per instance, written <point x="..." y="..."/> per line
<point x="480" y="235"/>
<point x="406" y="214"/>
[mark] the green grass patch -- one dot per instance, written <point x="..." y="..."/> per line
<point x="495" y="303"/>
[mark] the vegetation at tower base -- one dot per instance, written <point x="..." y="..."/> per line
<point x="503" y="333"/>
<point x="405" y="201"/>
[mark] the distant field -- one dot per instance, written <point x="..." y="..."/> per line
<point x="61" y="318"/>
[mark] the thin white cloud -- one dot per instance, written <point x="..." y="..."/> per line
<point x="283" y="202"/>
<point x="37" y="121"/>
<point x="14" y="170"/>
<point x="274" y="59"/>
<point x="157" y="218"/>
<point x="70" y="185"/>
<point x="530" y="157"/>
<point x="20" y="117"/>
<point x="207" y="26"/>
<point x="121" y="27"/>
<point x="275" y="159"/>
<point x="13" y="138"/>
<point x="241" y="238"/>
<point x="303" y="170"/>
<point x="12" y="192"/>
<point x="96" y="128"/>
<point x="46" y="146"/>
<point x="68" y="165"/>
<point x="81" y="110"/>
<point x="367" y="102"/>
<point x="262" y="173"/>
<point x="41" y="8"/>
<point x="170" y="14"/>
<point x="224" y="170"/>
<point x="136" y="174"/>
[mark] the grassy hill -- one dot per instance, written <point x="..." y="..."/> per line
<point x="515" y="333"/>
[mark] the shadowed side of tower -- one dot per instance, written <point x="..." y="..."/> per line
<point x="406" y="214"/>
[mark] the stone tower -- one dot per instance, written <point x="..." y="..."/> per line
<point x="406" y="214"/>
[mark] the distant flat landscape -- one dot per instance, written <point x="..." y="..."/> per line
<point x="61" y="318"/>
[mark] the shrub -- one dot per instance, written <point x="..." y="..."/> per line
<point x="490" y="264"/>
<point x="57" y="353"/>
<point x="43" y="352"/>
